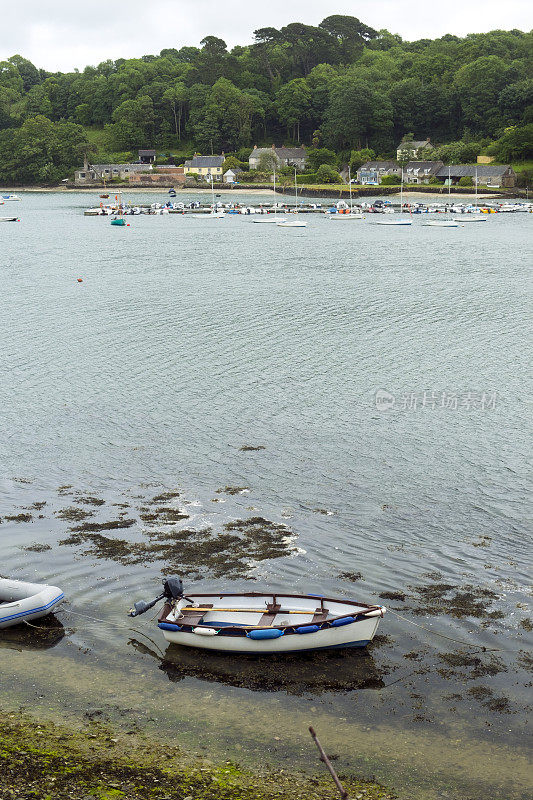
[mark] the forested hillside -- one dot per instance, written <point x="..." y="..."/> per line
<point x="341" y="85"/>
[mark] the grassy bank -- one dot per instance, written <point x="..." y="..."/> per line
<point x="52" y="763"/>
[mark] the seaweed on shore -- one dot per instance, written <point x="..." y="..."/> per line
<point x="89" y="500"/>
<point x="41" y="760"/>
<point x="73" y="514"/>
<point x="226" y="554"/>
<point x="18" y="517"/>
<point x="92" y="527"/>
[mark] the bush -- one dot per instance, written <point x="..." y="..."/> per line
<point x="434" y="181"/>
<point x="307" y="177"/>
<point x="327" y="174"/>
<point x="192" y="176"/>
<point x="524" y="177"/>
<point x="466" y="180"/>
<point x="390" y="180"/>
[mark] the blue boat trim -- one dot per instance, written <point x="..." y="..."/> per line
<point x="168" y="626"/>
<point x="33" y="610"/>
<point x="307" y="629"/>
<point x="269" y="633"/>
<point x="336" y="623"/>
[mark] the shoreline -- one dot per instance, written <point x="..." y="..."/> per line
<point x="268" y="192"/>
<point x="53" y="760"/>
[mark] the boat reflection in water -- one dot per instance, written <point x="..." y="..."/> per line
<point x="297" y="674"/>
<point x="47" y="634"/>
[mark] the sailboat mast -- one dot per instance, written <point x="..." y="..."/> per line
<point x="350" y="185"/>
<point x="476" y="188"/>
<point x="401" y="194"/>
<point x="295" y="191"/>
<point x="275" y="201"/>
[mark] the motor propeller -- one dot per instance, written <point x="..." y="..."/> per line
<point x="172" y="590"/>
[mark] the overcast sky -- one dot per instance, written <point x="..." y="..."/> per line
<point x="63" y="34"/>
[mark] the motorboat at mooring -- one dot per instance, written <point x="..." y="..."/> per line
<point x="262" y="622"/>
<point x="21" y="601"/>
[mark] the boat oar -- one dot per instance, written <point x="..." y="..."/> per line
<point x="252" y="610"/>
<point x="327" y="762"/>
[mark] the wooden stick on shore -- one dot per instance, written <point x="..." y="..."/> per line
<point x="327" y="762"/>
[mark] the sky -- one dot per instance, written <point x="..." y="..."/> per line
<point x="64" y="34"/>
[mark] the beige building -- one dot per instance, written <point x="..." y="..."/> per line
<point x="205" y="166"/>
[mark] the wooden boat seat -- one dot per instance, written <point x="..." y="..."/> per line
<point x="189" y="616"/>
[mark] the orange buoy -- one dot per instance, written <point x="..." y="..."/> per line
<point x="80" y="280"/>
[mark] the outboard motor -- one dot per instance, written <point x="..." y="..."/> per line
<point x="172" y="590"/>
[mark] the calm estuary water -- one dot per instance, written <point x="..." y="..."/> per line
<point x="139" y="393"/>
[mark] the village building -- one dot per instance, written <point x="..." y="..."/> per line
<point x="232" y="175"/>
<point x="421" y="171"/>
<point x="412" y="149"/>
<point x="97" y="173"/>
<point x="166" y="175"/>
<point x="487" y="174"/>
<point x="285" y="156"/>
<point x="371" y="172"/>
<point x="206" y="167"/>
<point x="147" y="156"/>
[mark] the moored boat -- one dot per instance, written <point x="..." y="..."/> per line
<point x="258" y="622"/>
<point x="21" y="601"/>
<point x="9" y="219"/>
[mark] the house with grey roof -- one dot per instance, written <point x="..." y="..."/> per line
<point x="486" y="174"/>
<point x="412" y="149"/>
<point x="421" y="171"/>
<point x="206" y="167"/>
<point x="285" y="156"/>
<point x="147" y="156"/>
<point x="371" y="172"/>
<point x="105" y="172"/>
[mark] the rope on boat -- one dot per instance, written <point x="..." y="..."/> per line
<point x="458" y="641"/>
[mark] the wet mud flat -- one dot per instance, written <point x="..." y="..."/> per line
<point x="47" y="761"/>
<point x="408" y="679"/>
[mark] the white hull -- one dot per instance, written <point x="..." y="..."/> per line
<point x="292" y="223"/>
<point x="345" y="216"/>
<point x="8" y="219"/>
<point x="217" y="215"/>
<point x="270" y="219"/>
<point x="393" y="222"/>
<point x="9" y="198"/>
<point x="246" y="623"/>
<point x="470" y="218"/>
<point x="441" y="224"/>
<point x="20" y="601"/>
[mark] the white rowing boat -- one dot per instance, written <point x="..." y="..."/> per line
<point x="21" y="601"/>
<point x="257" y="622"/>
<point x="9" y="219"/>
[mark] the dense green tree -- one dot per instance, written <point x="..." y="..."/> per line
<point x="516" y="144"/>
<point x="360" y="157"/>
<point x="320" y="155"/>
<point x="293" y="105"/>
<point x="339" y="85"/>
<point x="41" y="150"/>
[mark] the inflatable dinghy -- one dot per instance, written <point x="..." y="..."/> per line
<point x="20" y="601"/>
